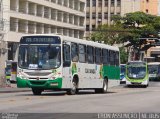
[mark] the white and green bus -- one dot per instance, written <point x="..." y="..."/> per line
<point x="137" y="73"/>
<point x="54" y="62"/>
<point x="154" y="71"/>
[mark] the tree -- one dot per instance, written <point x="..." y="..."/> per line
<point x="109" y="34"/>
<point x="132" y="28"/>
<point x="123" y="55"/>
<point x="137" y="19"/>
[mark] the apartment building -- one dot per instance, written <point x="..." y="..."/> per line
<point x="101" y="11"/>
<point x="151" y="7"/>
<point x="128" y="6"/>
<point x="65" y="17"/>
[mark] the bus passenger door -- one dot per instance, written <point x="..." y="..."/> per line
<point x="67" y="77"/>
<point x="13" y="71"/>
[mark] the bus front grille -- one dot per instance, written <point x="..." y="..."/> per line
<point x="38" y="73"/>
<point x="37" y="82"/>
<point x="38" y="78"/>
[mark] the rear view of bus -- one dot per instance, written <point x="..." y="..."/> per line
<point x="137" y="73"/>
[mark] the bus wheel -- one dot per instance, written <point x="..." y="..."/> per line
<point x="145" y="86"/>
<point x="36" y="91"/>
<point x="73" y="90"/>
<point x="104" y="88"/>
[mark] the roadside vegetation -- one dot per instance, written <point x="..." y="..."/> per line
<point x="132" y="30"/>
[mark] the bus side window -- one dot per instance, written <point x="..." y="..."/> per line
<point x="111" y="57"/>
<point x="117" y="58"/>
<point x="90" y="56"/>
<point x="158" y="70"/>
<point x="66" y="55"/>
<point x="105" y="56"/>
<point x="114" y="58"/>
<point x="74" y="52"/>
<point x="82" y="53"/>
<point x="97" y="55"/>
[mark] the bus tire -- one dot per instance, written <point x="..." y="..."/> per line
<point x="145" y="86"/>
<point x="73" y="90"/>
<point x="36" y="91"/>
<point x="104" y="89"/>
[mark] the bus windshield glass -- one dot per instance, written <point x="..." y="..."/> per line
<point x="39" y="56"/>
<point x="136" y="71"/>
<point x="153" y="69"/>
<point x="123" y="69"/>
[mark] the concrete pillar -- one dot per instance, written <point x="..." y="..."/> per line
<point x="3" y="54"/>
<point x="115" y="6"/>
<point x="97" y="3"/>
<point x="109" y="12"/>
<point x="102" y="10"/>
<point x="26" y="7"/>
<point x="26" y="26"/>
<point x="16" y="24"/>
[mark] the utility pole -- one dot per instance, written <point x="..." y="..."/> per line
<point x="2" y="47"/>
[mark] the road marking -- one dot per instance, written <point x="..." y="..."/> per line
<point x="27" y="98"/>
<point x="42" y="97"/>
<point x="11" y="100"/>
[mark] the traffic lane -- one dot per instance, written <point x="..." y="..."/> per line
<point x="135" y="102"/>
<point x="114" y="90"/>
<point x="118" y="99"/>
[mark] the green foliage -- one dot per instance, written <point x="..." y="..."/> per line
<point x="112" y="34"/>
<point x="156" y="23"/>
<point x="136" y="19"/>
<point x="123" y="55"/>
<point x="131" y="28"/>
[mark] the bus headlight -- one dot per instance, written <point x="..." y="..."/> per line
<point x="52" y="77"/>
<point x="21" y="75"/>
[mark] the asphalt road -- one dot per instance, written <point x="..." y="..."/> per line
<point x="119" y="99"/>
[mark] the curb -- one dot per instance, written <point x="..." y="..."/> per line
<point x="13" y="90"/>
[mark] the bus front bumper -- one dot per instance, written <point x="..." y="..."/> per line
<point x="44" y="84"/>
<point x="144" y="82"/>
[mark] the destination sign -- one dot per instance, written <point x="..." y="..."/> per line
<point x="40" y="40"/>
<point x="136" y="64"/>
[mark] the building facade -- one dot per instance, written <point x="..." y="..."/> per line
<point x="158" y="7"/>
<point x="128" y="6"/>
<point x="150" y="7"/>
<point x="19" y="17"/>
<point x="65" y="17"/>
<point x="101" y="11"/>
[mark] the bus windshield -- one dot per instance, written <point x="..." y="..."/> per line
<point x="39" y="56"/>
<point x="153" y="69"/>
<point x="122" y="69"/>
<point x="136" y="71"/>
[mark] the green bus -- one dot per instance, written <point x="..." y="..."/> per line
<point x="55" y="62"/>
<point x="137" y="73"/>
<point x="154" y="71"/>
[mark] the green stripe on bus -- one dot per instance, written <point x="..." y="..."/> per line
<point x="112" y="72"/>
<point x="44" y="84"/>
